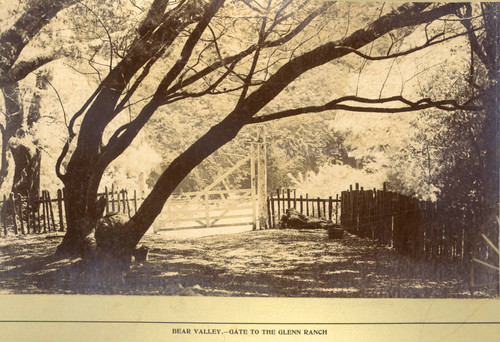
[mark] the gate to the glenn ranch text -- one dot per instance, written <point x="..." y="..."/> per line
<point x="218" y="205"/>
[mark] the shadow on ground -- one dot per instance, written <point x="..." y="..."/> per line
<point x="277" y="263"/>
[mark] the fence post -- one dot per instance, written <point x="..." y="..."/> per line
<point x="307" y="204"/>
<point x="20" y="209"/>
<point x="288" y="199"/>
<point x="113" y="197"/>
<point x="337" y="209"/>
<point x="65" y="202"/>
<point x="319" y="207"/>
<point x="262" y="176"/>
<point x="294" y="199"/>
<point x="207" y="210"/>
<point x="46" y="219"/>
<point x="128" y="204"/>
<point x="59" y="209"/>
<point x="269" y="218"/>
<point x="107" y="199"/>
<point x="44" y="212"/>
<point x="272" y="212"/>
<point x="279" y="205"/>
<point x="14" y="219"/>
<point x="38" y="218"/>
<point x="51" y="211"/>
<point x="301" y="204"/>
<point x="135" y="202"/>
<point x="330" y="207"/>
<point x="118" y="206"/>
<point x="28" y="214"/>
<point x="123" y="200"/>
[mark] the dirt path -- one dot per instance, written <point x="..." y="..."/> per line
<point x="261" y="263"/>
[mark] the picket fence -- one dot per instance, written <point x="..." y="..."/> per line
<point x="326" y="208"/>
<point x="419" y="229"/>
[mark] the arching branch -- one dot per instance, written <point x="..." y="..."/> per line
<point x="400" y="105"/>
<point x="431" y="41"/>
<point x="23" y="68"/>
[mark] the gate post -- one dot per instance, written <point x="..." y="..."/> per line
<point x="262" y="178"/>
<point x="253" y="185"/>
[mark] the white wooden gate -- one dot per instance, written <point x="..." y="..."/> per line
<point x="213" y="208"/>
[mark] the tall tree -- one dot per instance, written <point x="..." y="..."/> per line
<point x="191" y="41"/>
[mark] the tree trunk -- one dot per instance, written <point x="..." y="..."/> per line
<point x="27" y="159"/>
<point x="78" y="222"/>
<point x="27" y="175"/>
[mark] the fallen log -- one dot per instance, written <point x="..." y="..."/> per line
<point x="295" y="220"/>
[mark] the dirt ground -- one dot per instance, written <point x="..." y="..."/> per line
<point x="277" y="263"/>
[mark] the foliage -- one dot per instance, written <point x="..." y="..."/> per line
<point x="444" y="156"/>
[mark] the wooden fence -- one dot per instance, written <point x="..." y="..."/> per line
<point x="327" y="208"/>
<point x="415" y="228"/>
<point x="119" y="201"/>
<point x="46" y="213"/>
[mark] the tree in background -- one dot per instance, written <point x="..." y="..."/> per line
<point x="30" y="43"/>
<point x="18" y="145"/>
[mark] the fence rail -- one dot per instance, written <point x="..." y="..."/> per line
<point x="327" y="208"/>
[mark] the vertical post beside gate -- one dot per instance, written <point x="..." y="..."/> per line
<point x="253" y="186"/>
<point x="207" y="209"/>
<point x="262" y="178"/>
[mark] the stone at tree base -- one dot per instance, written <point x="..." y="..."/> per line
<point x="335" y="232"/>
<point x="141" y="253"/>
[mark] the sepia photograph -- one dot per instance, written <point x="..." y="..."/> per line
<point x="249" y="148"/>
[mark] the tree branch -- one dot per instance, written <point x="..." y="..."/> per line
<point x="118" y="143"/>
<point x="58" y="98"/>
<point x="403" y="105"/>
<point x="431" y="41"/>
<point x="23" y="68"/>
<point x="475" y="46"/>
<point x="36" y="16"/>
<point x="105" y="30"/>
<point x="405" y="15"/>
<point x="267" y="44"/>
